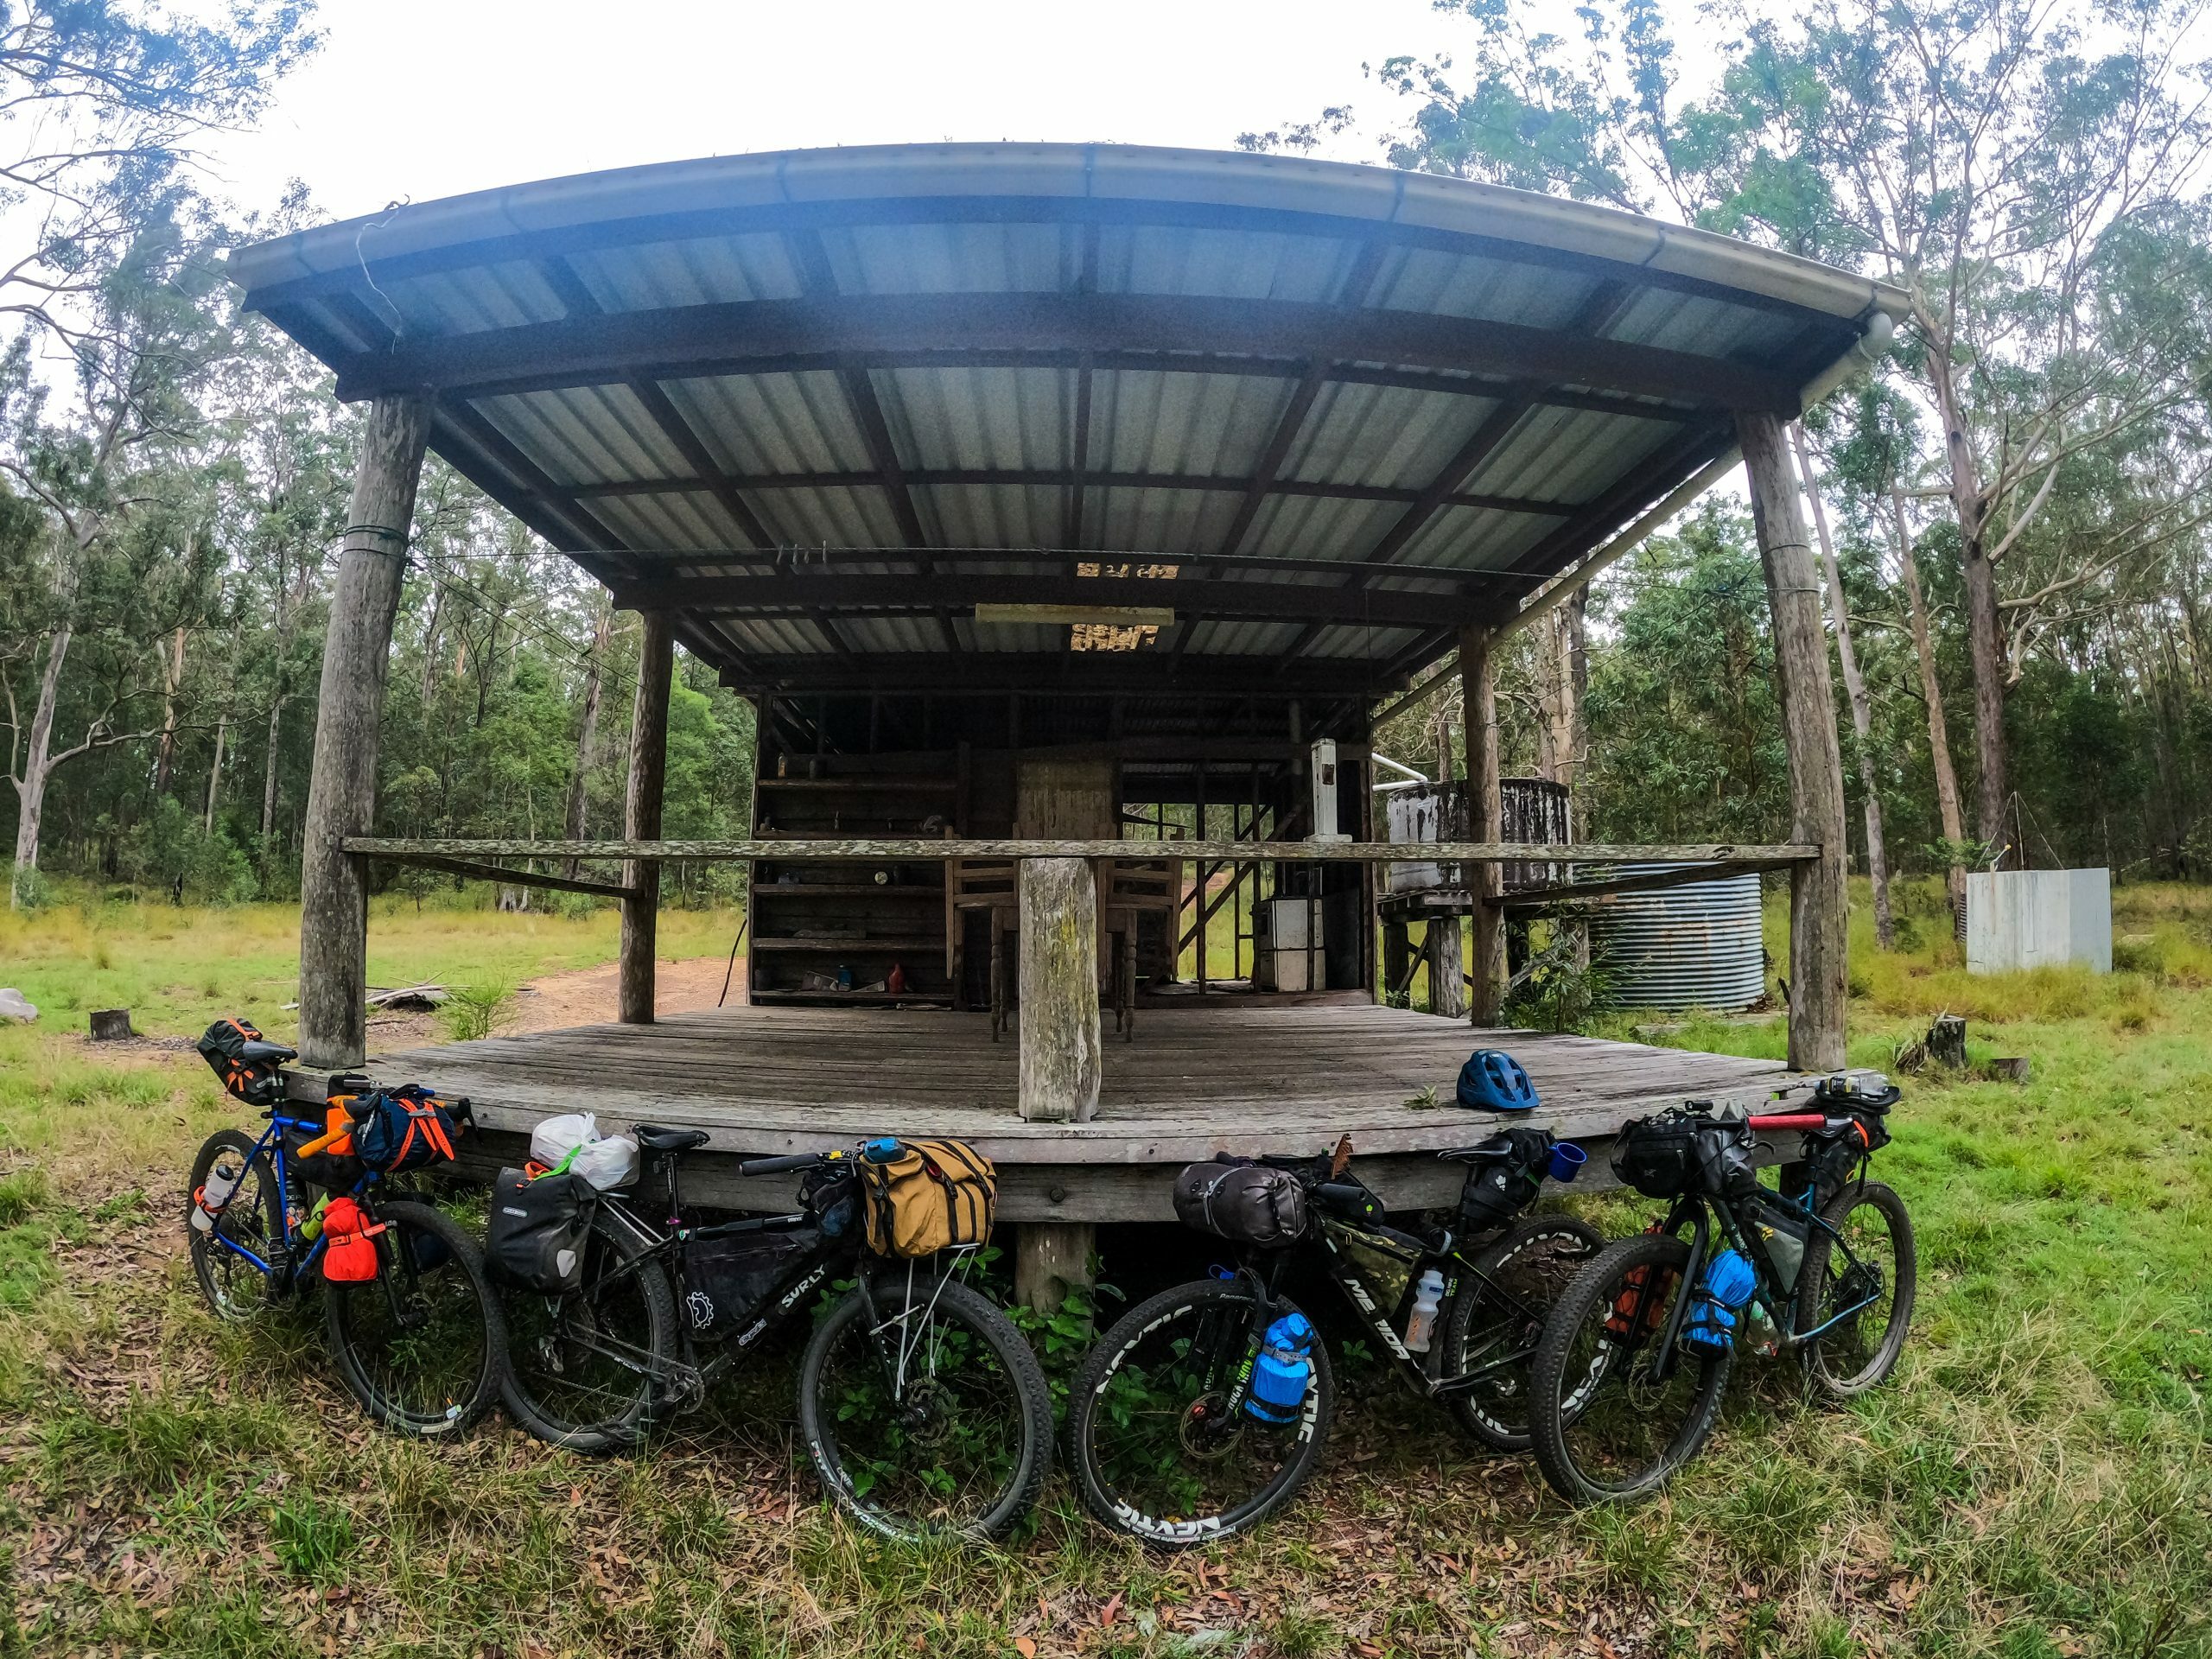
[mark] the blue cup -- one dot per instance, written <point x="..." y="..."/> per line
<point x="1567" y="1159"/>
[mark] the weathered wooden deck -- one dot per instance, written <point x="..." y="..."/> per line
<point x="1243" y="1079"/>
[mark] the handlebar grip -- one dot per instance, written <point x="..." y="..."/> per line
<point x="779" y="1166"/>
<point x="1779" y="1121"/>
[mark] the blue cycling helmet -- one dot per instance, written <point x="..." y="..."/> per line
<point x="1492" y="1081"/>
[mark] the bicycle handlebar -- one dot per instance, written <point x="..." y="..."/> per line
<point x="1780" y="1120"/>
<point x="779" y="1166"/>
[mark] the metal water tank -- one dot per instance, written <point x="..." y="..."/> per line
<point x="1696" y="946"/>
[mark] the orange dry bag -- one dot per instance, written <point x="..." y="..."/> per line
<point x="351" y="1255"/>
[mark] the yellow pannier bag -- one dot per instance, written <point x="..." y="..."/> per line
<point x="929" y="1196"/>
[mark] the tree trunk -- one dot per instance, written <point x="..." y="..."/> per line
<point x="1817" y="913"/>
<point x="641" y="816"/>
<point x="171" y="683"/>
<point x="1985" y="624"/>
<point x="38" y="764"/>
<point x="1563" y="671"/>
<point x="216" y="774"/>
<point x="587" y="734"/>
<point x="268" y="761"/>
<point x="1485" y="821"/>
<point x="1939" y="736"/>
<point x="342" y="787"/>
<point x="1854" y="687"/>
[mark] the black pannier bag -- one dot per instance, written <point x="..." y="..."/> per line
<point x="535" y="1238"/>
<point x="226" y="1047"/>
<point x="1658" y="1156"/>
<point x="1243" y="1203"/>
<point x="1501" y="1186"/>
<point x="730" y="1279"/>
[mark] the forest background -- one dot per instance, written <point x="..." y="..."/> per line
<point x="2011" y="505"/>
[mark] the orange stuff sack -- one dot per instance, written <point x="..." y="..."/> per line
<point x="350" y="1256"/>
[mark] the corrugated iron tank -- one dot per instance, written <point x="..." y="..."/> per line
<point x="1696" y="946"/>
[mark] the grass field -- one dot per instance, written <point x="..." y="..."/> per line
<point x="2035" y="1481"/>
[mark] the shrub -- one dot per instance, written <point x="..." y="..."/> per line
<point x="474" y="1011"/>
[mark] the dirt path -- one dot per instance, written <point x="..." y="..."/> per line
<point x="583" y="996"/>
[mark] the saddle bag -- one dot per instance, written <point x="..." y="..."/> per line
<point x="223" y="1047"/>
<point x="534" y="1236"/>
<point x="1243" y="1203"/>
<point x="730" y="1280"/>
<point x="928" y="1196"/>
<point x="1500" y="1187"/>
<point x="403" y="1129"/>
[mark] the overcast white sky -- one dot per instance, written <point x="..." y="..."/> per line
<point x="423" y="99"/>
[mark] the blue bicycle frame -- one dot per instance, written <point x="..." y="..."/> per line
<point x="271" y="1146"/>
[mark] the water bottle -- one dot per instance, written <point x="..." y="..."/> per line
<point x="1283" y="1372"/>
<point x="1420" y="1324"/>
<point x="881" y="1150"/>
<point x="208" y="1202"/>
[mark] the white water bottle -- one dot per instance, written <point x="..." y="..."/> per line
<point x="1420" y="1324"/>
<point x="222" y="1181"/>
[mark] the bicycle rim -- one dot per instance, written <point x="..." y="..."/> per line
<point x="233" y="1286"/>
<point x="1503" y="1307"/>
<point x="1862" y="1348"/>
<point x="585" y="1366"/>
<point x="421" y="1343"/>
<point x="1619" y="1421"/>
<point x="1158" y="1452"/>
<point x="925" y="1412"/>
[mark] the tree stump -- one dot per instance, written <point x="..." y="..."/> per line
<point x="1947" y="1041"/>
<point x="111" y="1024"/>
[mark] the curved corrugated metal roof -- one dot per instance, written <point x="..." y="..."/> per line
<point x="1333" y="411"/>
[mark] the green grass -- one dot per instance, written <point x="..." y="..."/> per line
<point x="2036" y="1480"/>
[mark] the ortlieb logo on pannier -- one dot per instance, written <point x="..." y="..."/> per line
<point x="403" y="1129"/>
<point x="928" y="1196"/>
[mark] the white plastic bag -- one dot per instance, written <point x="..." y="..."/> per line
<point x="554" y="1138"/>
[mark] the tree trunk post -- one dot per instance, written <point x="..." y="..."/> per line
<point x="641" y="816"/>
<point x="1051" y="1258"/>
<point x="342" y="787"/>
<point x="1447" y="980"/>
<point x="1817" y="914"/>
<point x="1486" y="822"/>
<point x="1058" y="1007"/>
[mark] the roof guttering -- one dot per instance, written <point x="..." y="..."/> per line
<point x="1109" y="172"/>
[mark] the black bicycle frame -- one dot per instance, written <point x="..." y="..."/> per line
<point x="1382" y="1323"/>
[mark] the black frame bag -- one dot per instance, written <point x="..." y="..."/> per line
<point x="730" y="1278"/>
<point x="1243" y="1203"/>
<point x="534" y="1236"/>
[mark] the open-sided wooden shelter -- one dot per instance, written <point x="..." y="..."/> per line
<point x="1025" y="488"/>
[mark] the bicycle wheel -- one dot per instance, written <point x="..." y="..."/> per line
<point x="252" y="1220"/>
<point x="1603" y="1423"/>
<point x="924" y="1410"/>
<point x="422" y="1344"/>
<point x="1154" y="1454"/>
<point x="1497" y="1319"/>
<point x="1863" y="1348"/>
<point x="584" y="1368"/>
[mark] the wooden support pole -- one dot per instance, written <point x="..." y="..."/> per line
<point x="1051" y="1258"/>
<point x="342" y="787"/>
<point x="1060" y="1037"/>
<point x="1447" y="985"/>
<point x="1397" y="959"/>
<point x="641" y="816"/>
<point x="1485" y="821"/>
<point x="1817" y="915"/>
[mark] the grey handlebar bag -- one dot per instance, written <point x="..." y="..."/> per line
<point x="1245" y="1203"/>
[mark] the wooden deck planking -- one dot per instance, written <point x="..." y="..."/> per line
<point x="1244" y="1078"/>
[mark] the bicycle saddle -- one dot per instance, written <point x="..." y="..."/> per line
<point x="257" y="1051"/>
<point x="653" y="1138"/>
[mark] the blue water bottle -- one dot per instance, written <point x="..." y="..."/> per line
<point x="1283" y="1372"/>
<point x="1727" y="1284"/>
<point x="881" y="1150"/>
